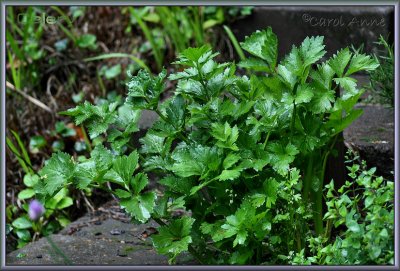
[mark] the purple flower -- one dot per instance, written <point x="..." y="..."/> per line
<point x="36" y="210"/>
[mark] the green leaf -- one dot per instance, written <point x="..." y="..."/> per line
<point x="26" y="194"/>
<point x="230" y="160"/>
<point x="177" y="185"/>
<point x="287" y="76"/>
<point x="64" y="203"/>
<point x="87" y="41"/>
<point x="190" y="55"/>
<point x="322" y="77"/>
<point x="262" y="44"/>
<point x="191" y="161"/>
<point x="63" y="221"/>
<point x="174" y="238"/>
<point x="98" y="118"/>
<point x="102" y="158"/>
<point x="225" y="135"/>
<point x="176" y="112"/>
<point x="282" y="156"/>
<point x="190" y="87"/>
<point x="31" y="180"/>
<point x="58" y="171"/>
<point x="152" y="143"/>
<point x="113" y="72"/>
<point x="144" y="89"/>
<point x="22" y="223"/>
<point x="241" y="237"/>
<point x="24" y="235"/>
<point x="304" y="94"/>
<point x="254" y="64"/>
<point x="322" y="101"/>
<point x="36" y="143"/>
<point x="339" y="61"/>
<point x="353" y="226"/>
<point x="229" y="174"/>
<point x="271" y="191"/>
<point x="340" y="124"/>
<point x="375" y="252"/>
<point x="140" y="207"/>
<point x="65" y="131"/>
<point x="124" y="166"/>
<point x="122" y="194"/>
<point x="139" y="182"/>
<point x="349" y="85"/>
<point x="362" y="62"/>
<point x="312" y="50"/>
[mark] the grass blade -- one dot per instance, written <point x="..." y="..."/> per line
<point x="22" y="147"/>
<point x="156" y="50"/>
<point x="235" y="43"/>
<point x="119" y="55"/>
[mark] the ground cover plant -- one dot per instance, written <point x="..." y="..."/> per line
<point x="244" y="156"/>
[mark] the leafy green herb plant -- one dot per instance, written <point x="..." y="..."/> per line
<point x="243" y="156"/>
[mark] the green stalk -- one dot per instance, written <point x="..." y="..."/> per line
<point x="119" y="55"/>
<point x="101" y="84"/>
<point x="308" y="178"/>
<point x="197" y="27"/>
<point x="266" y="140"/>
<point x="181" y="39"/>
<point x="319" y="227"/>
<point x="14" y="46"/>
<point x="15" y="72"/>
<point x="11" y="21"/>
<point x="67" y="32"/>
<point x="86" y="138"/>
<point x="59" y="11"/>
<point x="170" y="26"/>
<point x="156" y="51"/>
<point x="235" y="42"/>
<point x="67" y="261"/>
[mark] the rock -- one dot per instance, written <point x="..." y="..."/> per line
<point x="116" y="232"/>
<point x="372" y="135"/>
<point x="147" y="119"/>
<point x="86" y="247"/>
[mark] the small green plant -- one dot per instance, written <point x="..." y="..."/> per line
<point x="25" y="226"/>
<point x="363" y="211"/>
<point x="382" y="79"/>
<point x="244" y="157"/>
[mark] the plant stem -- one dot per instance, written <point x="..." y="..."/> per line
<point x="67" y="261"/>
<point x="266" y="140"/>
<point x="149" y="36"/>
<point x="86" y="138"/>
<point x="319" y="227"/>
<point x="235" y="43"/>
<point x="308" y="178"/>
